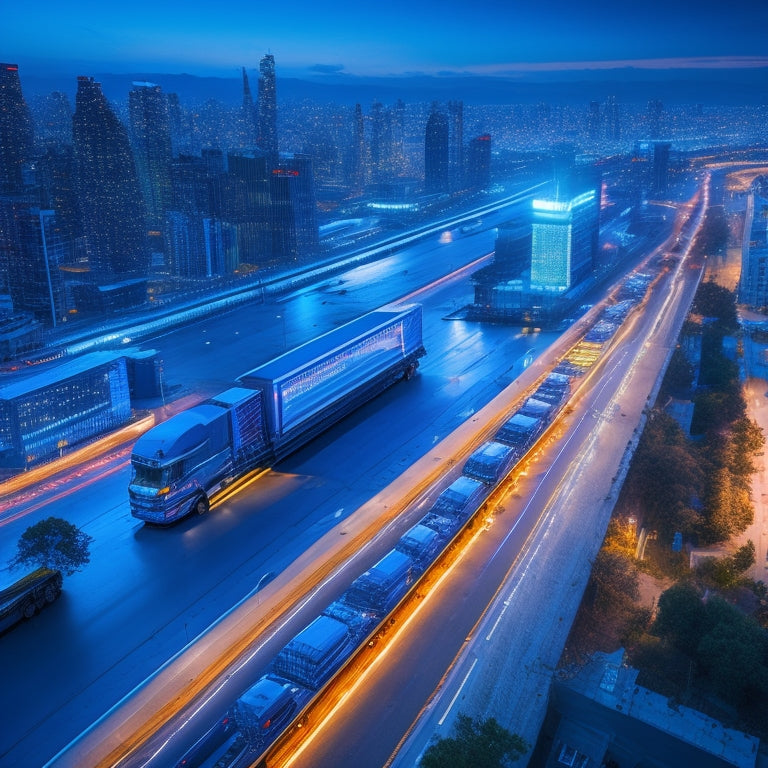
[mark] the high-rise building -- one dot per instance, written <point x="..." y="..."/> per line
<point x="109" y="192"/>
<point x="753" y="284"/>
<point x="34" y="276"/>
<point x="563" y="241"/>
<point x="151" y="140"/>
<point x="456" y="145"/>
<point x="294" y="208"/>
<point x="357" y="159"/>
<point x="478" y="165"/>
<point x="248" y="119"/>
<point x="16" y="131"/>
<point x="436" y="153"/>
<point x="267" y="139"/>
<point x="378" y="151"/>
<point x="612" y="119"/>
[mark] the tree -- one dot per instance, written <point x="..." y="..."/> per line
<point x="681" y="617"/>
<point x="615" y="578"/>
<point x="53" y="543"/>
<point x="477" y="744"/>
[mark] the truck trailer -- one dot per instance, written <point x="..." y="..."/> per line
<point x="275" y="409"/>
<point x="25" y="597"/>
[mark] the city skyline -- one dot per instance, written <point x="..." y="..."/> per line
<point x="494" y="39"/>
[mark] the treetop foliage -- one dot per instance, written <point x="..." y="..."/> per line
<point x="53" y="543"/>
<point x="476" y="744"/>
<point x="729" y="647"/>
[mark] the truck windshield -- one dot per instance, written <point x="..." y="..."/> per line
<point x="150" y="477"/>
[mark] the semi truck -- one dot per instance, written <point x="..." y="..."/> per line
<point x="25" y="597"/>
<point x="178" y="465"/>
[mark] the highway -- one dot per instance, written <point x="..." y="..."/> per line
<point x="148" y="592"/>
<point x="498" y="619"/>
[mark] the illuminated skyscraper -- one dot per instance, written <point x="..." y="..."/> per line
<point x="294" y="208"/>
<point x="613" y="119"/>
<point x="110" y="197"/>
<point x="248" y="118"/>
<point x="436" y="153"/>
<point x="456" y="145"/>
<point x="151" y="139"/>
<point x="34" y="278"/>
<point x="16" y="133"/>
<point x="267" y="139"/>
<point x="563" y="240"/>
<point x="357" y="159"/>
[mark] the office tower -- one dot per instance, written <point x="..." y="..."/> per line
<point x="109" y="193"/>
<point x="513" y="248"/>
<point x="564" y="232"/>
<point x="180" y="134"/>
<point x="456" y="145"/>
<point x="398" y="138"/>
<point x="753" y="284"/>
<point x="56" y="176"/>
<point x="660" y="180"/>
<point x="478" y="166"/>
<point x="151" y="139"/>
<point x="654" y="115"/>
<point x="613" y="119"/>
<point x="357" y="159"/>
<point x="293" y="208"/>
<point x="246" y="203"/>
<point x="267" y="139"/>
<point x="16" y="131"/>
<point x="377" y="139"/>
<point x="436" y="153"/>
<point x="37" y="252"/>
<point x="248" y="120"/>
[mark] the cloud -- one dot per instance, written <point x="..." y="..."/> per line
<point x="327" y="69"/>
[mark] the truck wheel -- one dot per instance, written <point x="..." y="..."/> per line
<point x="51" y="593"/>
<point x="30" y="609"/>
<point x="410" y="372"/>
<point x="201" y="505"/>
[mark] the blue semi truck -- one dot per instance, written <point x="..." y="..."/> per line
<point x="179" y="464"/>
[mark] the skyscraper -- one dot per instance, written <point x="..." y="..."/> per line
<point x="248" y="118"/>
<point x="34" y="278"/>
<point x="294" y="208"/>
<point x="16" y="132"/>
<point x="357" y="158"/>
<point x="151" y="139"/>
<point x="456" y="145"/>
<point x="110" y="197"/>
<point x="563" y="241"/>
<point x="478" y="166"/>
<point x="267" y="139"/>
<point x="436" y="153"/>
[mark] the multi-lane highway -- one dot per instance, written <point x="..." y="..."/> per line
<point x="147" y="592"/>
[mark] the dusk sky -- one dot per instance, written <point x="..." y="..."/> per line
<point x="385" y="38"/>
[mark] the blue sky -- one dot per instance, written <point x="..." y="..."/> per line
<point x="393" y="37"/>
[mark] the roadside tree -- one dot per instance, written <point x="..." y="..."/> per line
<point x="53" y="543"/>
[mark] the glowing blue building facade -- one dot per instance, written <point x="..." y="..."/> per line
<point x="563" y="241"/>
